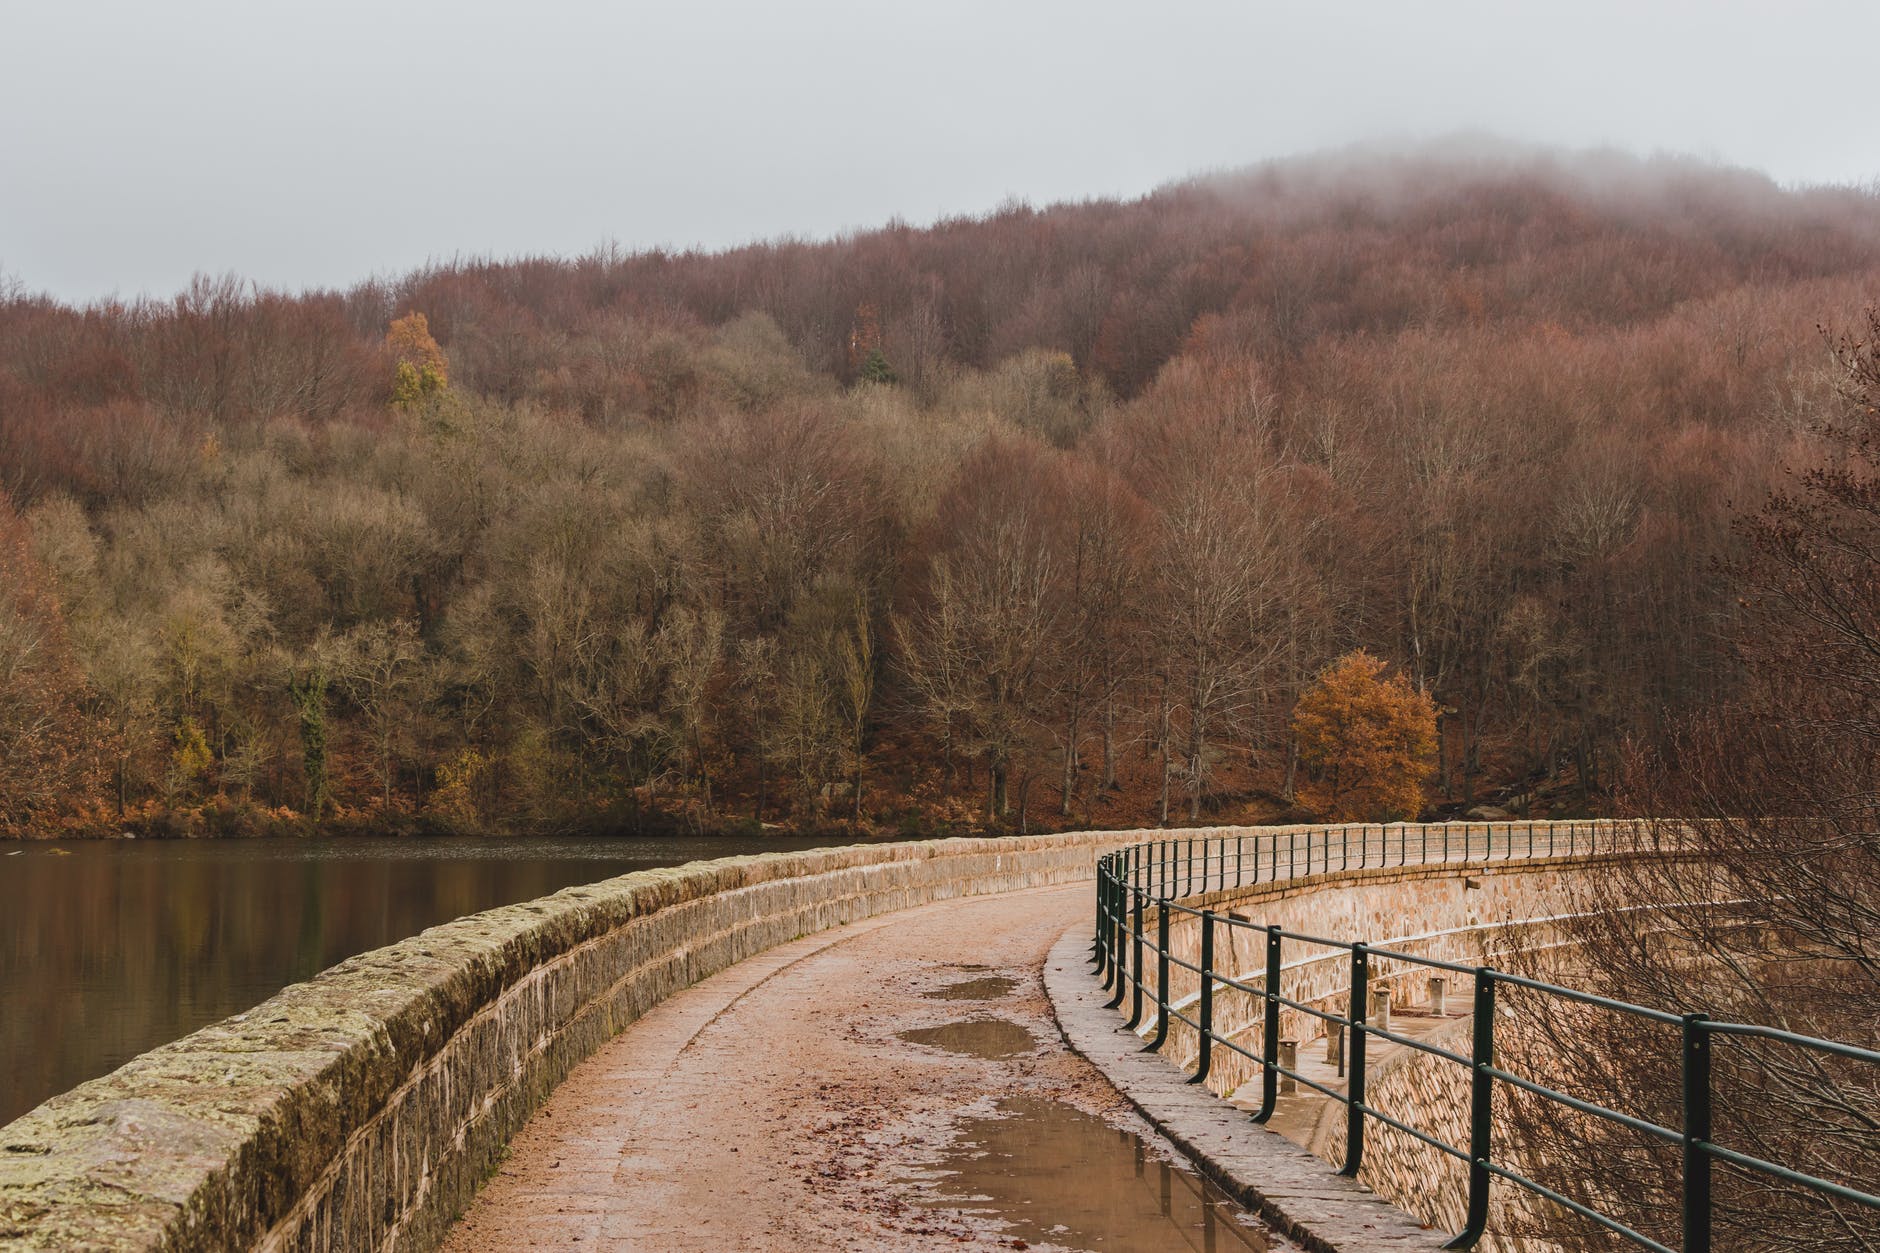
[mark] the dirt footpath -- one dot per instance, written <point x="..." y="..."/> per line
<point x="778" y="1106"/>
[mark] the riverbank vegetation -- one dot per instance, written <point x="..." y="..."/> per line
<point x="1041" y="519"/>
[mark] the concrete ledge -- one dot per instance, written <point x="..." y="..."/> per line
<point x="1290" y="1188"/>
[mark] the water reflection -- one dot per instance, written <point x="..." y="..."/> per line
<point x="994" y="1039"/>
<point x="1058" y="1177"/>
<point x="989" y="988"/>
<point x="108" y="949"/>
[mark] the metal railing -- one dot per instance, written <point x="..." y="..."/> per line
<point x="1154" y="878"/>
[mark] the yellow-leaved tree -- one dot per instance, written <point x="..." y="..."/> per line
<point x="1365" y="742"/>
<point x="420" y="370"/>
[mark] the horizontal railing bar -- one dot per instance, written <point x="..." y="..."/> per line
<point x="1316" y="1013"/>
<point x="1408" y="1130"/>
<point x="1789" y="1037"/>
<point x="1416" y="1044"/>
<point x="1227" y="1043"/>
<point x="1436" y="962"/>
<point x="1293" y="1074"/>
<point x="1761" y="1167"/>
<point x="1226" y="981"/>
<point x="1588" y="998"/>
<point x="1314" y="939"/>
<point x="1583" y="1211"/>
<point x="1588" y="1107"/>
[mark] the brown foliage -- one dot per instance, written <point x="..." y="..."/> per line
<point x="1366" y="742"/>
<point x="1482" y="419"/>
<point x="49" y="745"/>
<point x="1768" y="910"/>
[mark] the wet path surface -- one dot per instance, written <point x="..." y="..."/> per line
<point x="897" y="1084"/>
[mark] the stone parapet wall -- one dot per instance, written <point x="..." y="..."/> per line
<point x="361" y="1110"/>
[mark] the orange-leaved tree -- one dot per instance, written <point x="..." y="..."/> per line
<point x="420" y="369"/>
<point x="1365" y="741"/>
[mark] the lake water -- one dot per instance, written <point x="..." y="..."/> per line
<point x="108" y="949"/>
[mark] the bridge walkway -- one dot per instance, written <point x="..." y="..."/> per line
<point x="783" y="1105"/>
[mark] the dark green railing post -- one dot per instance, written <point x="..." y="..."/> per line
<point x="1269" y="1031"/>
<point x="1113" y="937"/>
<point x="1206" y="1008"/>
<point x="1096" y="938"/>
<point x="1123" y="945"/>
<point x="1240" y="859"/>
<point x="1119" y="954"/>
<point x="1117" y="888"/>
<point x="1161" y="979"/>
<point x="1112" y="894"/>
<point x="1481" y="1110"/>
<point x="1119" y="951"/>
<point x="1354" y="1087"/>
<point x="1107" y="913"/>
<point x="1135" y="995"/>
<point x="1121" y="964"/>
<point x="1696" y="1134"/>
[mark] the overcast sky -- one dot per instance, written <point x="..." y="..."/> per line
<point x="317" y="143"/>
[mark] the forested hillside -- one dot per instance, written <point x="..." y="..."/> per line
<point x="1044" y="518"/>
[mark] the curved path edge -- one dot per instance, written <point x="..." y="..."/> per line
<point x="1293" y="1190"/>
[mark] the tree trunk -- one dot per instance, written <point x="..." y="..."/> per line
<point x="1070" y="766"/>
<point x="1162" y="812"/>
<point x="1109" y="745"/>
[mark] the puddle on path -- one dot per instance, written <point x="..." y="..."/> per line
<point x="989" y="988"/>
<point x="992" y="1038"/>
<point x="1063" y="1179"/>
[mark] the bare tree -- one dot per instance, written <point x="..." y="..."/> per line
<point x="1766" y="908"/>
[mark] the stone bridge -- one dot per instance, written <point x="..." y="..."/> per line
<point x="365" y="1108"/>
